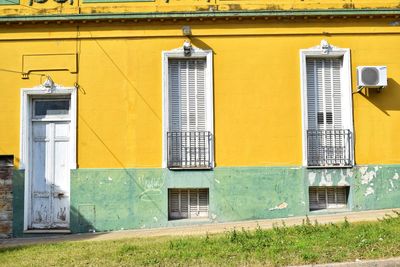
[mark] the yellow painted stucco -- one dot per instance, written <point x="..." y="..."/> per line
<point x="104" y="6"/>
<point x="257" y="95"/>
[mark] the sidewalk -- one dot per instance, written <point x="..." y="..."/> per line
<point x="203" y="229"/>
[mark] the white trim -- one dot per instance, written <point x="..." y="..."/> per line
<point x="325" y="50"/>
<point x="25" y="128"/>
<point x="179" y="53"/>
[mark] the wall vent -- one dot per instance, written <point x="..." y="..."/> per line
<point x="328" y="197"/>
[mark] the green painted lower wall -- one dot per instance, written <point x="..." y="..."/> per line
<point x="9" y="2"/>
<point x="114" y="199"/>
<point x="18" y="202"/>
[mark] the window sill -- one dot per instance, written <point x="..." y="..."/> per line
<point x="190" y="168"/>
<point x="330" y="211"/>
<point x="330" y="167"/>
<point x="47" y="231"/>
<point x="183" y="222"/>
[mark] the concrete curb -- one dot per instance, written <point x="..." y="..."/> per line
<point x="363" y="263"/>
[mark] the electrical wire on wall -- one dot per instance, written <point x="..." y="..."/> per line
<point x="78" y="44"/>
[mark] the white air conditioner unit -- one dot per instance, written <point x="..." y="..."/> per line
<point x="371" y="76"/>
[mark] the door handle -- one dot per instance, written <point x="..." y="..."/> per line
<point x="59" y="194"/>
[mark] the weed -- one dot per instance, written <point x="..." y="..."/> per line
<point x="346" y="223"/>
<point x="303" y="244"/>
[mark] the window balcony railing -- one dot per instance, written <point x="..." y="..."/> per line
<point x="189" y="150"/>
<point x="329" y="148"/>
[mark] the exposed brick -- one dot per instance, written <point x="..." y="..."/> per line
<point x="6" y="196"/>
<point x="5" y="227"/>
<point x="6" y="174"/>
<point x="6" y="215"/>
<point x="6" y="188"/>
<point x="5" y="205"/>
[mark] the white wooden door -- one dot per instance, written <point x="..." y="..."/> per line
<point x="50" y="170"/>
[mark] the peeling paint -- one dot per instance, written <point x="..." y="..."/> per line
<point x="366" y="176"/>
<point x="363" y="170"/>
<point x="311" y="177"/>
<point x="391" y="183"/>
<point x="350" y="173"/>
<point x="326" y="180"/>
<point x="396" y="176"/>
<point x="281" y="206"/>
<point x="370" y="191"/>
<point x="343" y="181"/>
<point x="61" y="214"/>
<point x="109" y="178"/>
<point x="329" y="180"/>
<point x="276" y="192"/>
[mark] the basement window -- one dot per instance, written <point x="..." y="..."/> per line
<point x="328" y="197"/>
<point x="187" y="203"/>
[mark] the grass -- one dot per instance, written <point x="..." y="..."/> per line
<point x="304" y="244"/>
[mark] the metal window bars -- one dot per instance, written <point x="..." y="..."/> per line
<point x="329" y="148"/>
<point x="189" y="150"/>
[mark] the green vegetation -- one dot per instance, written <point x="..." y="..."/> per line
<point x="303" y="244"/>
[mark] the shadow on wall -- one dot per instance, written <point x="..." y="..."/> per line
<point x="78" y="222"/>
<point x="200" y="44"/>
<point x="81" y="224"/>
<point x="387" y="99"/>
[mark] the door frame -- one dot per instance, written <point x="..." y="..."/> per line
<point x="26" y="131"/>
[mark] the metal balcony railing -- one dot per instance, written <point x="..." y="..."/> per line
<point x="329" y="148"/>
<point x="189" y="150"/>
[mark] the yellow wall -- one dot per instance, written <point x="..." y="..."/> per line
<point x="256" y="87"/>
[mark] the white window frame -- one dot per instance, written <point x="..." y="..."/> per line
<point x="325" y="50"/>
<point x="27" y="94"/>
<point x="179" y="54"/>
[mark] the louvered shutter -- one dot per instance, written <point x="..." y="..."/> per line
<point x="324" y="110"/>
<point x="331" y="193"/>
<point x="188" y="203"/>
<point x="178" y="203"/>
<point x="203" y="202"/>
<point x="331" y="197"/>
<point x="187" y="99"/>
<point x="184" y="203"/>
<point x="321" y="196"/>
<point x="317" y="198"/>
<point x="187" y="112"/>
<point x="324" y="95"/>
<point x="313" y="198"/>
<point x="198" y="203"/>
<point x="173" y="203"/>
<point x="193" y="203"/>
<point x="337" y="197"/>
<point x="341" y="196"/>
